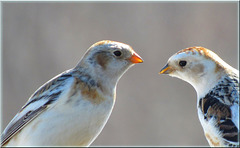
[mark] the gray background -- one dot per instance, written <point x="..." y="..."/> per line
<point x="41" y="40"/>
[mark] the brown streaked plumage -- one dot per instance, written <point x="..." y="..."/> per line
<point x="217" y="109"/>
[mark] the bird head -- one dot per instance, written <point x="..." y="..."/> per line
<point x="110" y="59"/>
<point x="196" y="65"/>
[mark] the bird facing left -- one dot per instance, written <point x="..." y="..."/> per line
<point x="72" y="108"/>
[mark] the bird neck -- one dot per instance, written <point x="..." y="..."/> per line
<point x="213" y="78"/>
<point x="106" y="83"/>
<point x="208" y="83"/>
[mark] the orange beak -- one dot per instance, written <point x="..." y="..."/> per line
<point x="136" y="58"/>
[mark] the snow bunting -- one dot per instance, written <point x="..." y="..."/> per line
<point x="72" y="108"/>
<point x="217" y="87"/>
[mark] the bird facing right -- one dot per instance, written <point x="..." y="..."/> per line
<point x="72" y="108"/>
<point x="217" y="87"/>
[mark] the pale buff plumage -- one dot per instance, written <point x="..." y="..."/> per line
<point x="72" y="108"/>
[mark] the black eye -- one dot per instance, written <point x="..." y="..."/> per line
<point x="117" y="53"/>
<point x="182" y="63"/>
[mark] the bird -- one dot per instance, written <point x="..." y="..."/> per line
<point x="72" y="108"/>
<point x="217" y="86"/>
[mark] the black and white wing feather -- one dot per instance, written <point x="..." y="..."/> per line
<point x="222" y="105"/>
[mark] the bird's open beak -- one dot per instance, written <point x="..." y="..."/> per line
<point x="166" y="70"/>
<point x="135" y="58"/>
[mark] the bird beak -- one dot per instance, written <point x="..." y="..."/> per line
<point x="135" y="58"/>
<point x="166" y="70"/>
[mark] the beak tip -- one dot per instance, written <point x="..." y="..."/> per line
<point x="165" y="70"/>
<point x="136" y="59"/>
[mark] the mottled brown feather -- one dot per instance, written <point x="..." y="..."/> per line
<point x="89" y="93"/>
<point x="218" y="110"/>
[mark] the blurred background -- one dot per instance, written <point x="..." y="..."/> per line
<point x="41" y="40"/>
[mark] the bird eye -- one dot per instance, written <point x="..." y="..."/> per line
<point x="182" y="63"/>
<point x="117" y="53"/>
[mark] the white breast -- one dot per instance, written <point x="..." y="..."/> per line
<point x="74" y="126"/>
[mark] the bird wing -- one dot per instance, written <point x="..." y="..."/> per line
<point x="222" y="104"/>
<point x="47" y="94"/>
